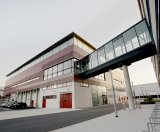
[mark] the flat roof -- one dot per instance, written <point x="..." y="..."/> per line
<point x="72" y="34"/>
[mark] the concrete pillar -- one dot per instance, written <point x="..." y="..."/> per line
<point x="128" y="88"/>
<point x="25" y="96"/>
<point x="37" y="98"/>
<point x="31" y="97"/>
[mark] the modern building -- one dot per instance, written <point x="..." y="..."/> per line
<point x="149" y="9"/>
<point x="49" y="80"/>
<point x="144" y="90"/>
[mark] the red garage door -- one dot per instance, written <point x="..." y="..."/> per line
<point x="66" y="100"/>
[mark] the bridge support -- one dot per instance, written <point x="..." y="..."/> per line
<point x="128" y="87"/>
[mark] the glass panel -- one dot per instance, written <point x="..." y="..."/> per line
<point x="67" y="71"/>
<point x="60" y="67"/>
<point x="46" y="72"/>
<point x="50" y="71"/>
<point x="119" y="46"/>
<point x="79" y="43"/>
<point x="55" y="50"/>
<point x="100" y="99"/>
<point x="54" y="75"/>
<point x="54" y="69"/>
<point x="94" y="95"/>
<point x="45" y="78"/>
<point x="101" y="56"/>
<point x="67" y="64"/>
<point x="94" y="61"/>
<point x="109" y="51"/>
<point x="85" y="64"/>
<point x="60" y="73"/>
<point x="49" y="76"/>
<point x="85" y="47"/>
<point x="75" y="41"/>
<point x="142" y="32"/>
<point x="63" y="46"/>
<point x="70" y="42"/>
<point x="130" y="39"/>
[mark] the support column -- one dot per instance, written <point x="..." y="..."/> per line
<point x="31" y="98"/>
<point x="128" y="87"/>
<point x="37" y="98"/>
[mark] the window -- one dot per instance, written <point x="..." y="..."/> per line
<point x="67" y="66"/>
<point x="109" y="51"/>
<point x="63" y="46"/>
<point x="94" y="61"/>
<point x="142" y="32"/>
<point x="119" y="46"/>
<point x="130" y="39"/>
<point x="101" y="56"/>
<point x="60" y="68"/>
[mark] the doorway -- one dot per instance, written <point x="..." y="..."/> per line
<point x="66" y="100"/>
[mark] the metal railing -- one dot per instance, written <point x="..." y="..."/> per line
<point x="154" y="120"/>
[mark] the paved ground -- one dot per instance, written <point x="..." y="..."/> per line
<point x="128" y="121"/>
<point x="10" y="114"/>
<point x="48" y="122"/>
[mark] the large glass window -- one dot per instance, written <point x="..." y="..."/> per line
<point x="50" y="71"/>
<point x="94" y="61"/>
<point x="130" y="39"/>
<point x="101" y="56"/>
<point x="60" y="68"/>
<point x="119" y="46"/>
<point x="109" y="51"/>
<point x="54" y="69"/>
<point x="67" y="66"/>
<point x="95" y="95"/>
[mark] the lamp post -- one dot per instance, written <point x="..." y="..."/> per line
<point x="113" y="89"/>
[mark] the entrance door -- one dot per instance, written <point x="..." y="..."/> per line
<point x="66" y="100"/>
<point x="44" y="103"/>
<point x="32" y="103"/>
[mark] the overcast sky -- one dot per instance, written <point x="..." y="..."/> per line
<point x="29" y="26"/>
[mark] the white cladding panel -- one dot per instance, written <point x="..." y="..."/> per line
<point x="83" y="96"/>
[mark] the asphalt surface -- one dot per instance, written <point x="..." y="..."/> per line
<point x="45" y="123"/>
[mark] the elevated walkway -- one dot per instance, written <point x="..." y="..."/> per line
<point x="132" y="45"/>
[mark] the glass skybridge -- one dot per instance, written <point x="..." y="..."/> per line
<point x="134" y="44"/>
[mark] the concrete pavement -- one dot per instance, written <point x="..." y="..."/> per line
<point x="128" y="121"/>
<point x="49" y="122"/>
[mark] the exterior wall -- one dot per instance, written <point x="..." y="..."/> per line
<point x="121" y="97"/>
<point x="149" y="9"/>
<point x="55" y="103"/>
<point x="83" y="96"/>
